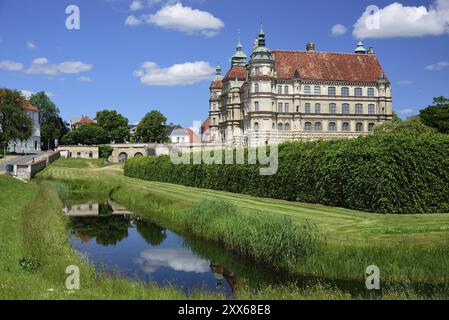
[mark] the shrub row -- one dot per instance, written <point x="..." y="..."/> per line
<point x="388" y="173"/>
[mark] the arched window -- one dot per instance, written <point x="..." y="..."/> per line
<point x="331" y="91"/>
<point x="308" y="126"/>
<point x="371" y="127"/>
<point x="307" y="90"/>
<point x="256" y="88"/>
<point x="317" y="108"/>
<point x="345" y="126"/>
<point x="370" y="92"/>
<point x="256" y="126"/>
<point x="287" y="107"/>
<point x="332" y="108"/>
<point x="317" y="90"/>
<point x="371" y="109"/>
<point x="359" y="108"/>
<point x="307" y="108"/>
<point x="318" y="126"/>
<point x="359" y="127"/>
<point x="122" y="157"/>
<point x="358" y="92"/>
<point x="287" y="127"/>
<point x="256" y="106"/>
<point x="332" y="127"/>
<point x="345" y="108"/>
<point x="280" y="127"/>
<point x="345" y="91"/>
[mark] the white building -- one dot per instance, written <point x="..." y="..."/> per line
<point x="298" y="95"/>
<point x="33" y="144"/>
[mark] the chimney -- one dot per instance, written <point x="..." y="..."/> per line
<point x="371" y="50"/>
<point x="310" y="46"/>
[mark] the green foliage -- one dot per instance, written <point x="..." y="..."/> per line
<point x="437" y="114"/>
<point x="105" y="151"/>
<point x="152" y="128"/>
<point x="387" y="173"/>
<point x="14" y="122"/>
<point x="412" y="125"/>
<point x="115" y="124"/>
<point x="273" y="240"/>
<point x="90" y="134"/>
<point x="52" y="125"/>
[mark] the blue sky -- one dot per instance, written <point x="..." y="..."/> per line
<point x="159" y="54"/>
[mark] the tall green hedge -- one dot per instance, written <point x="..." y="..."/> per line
<point x="388" y="173"/>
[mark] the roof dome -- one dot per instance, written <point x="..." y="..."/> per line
<point x="239" y="58"/>
<point x="261" y="52"/>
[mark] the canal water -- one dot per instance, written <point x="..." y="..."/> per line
<point x="124" y="244"/>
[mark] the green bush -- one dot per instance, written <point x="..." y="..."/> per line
<point x="387" y="173"/>
<point x="105" y="151"/>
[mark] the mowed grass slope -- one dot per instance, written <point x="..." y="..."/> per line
<point x="339" y="224"/>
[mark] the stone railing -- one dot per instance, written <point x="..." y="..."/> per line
<point x="26" y="171"/>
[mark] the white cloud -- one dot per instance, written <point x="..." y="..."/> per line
<point x="136" y="6"/>
<point x="10" y="65"/>
<point x="132" y="21"/>
<point x="406" y="111"/>
<point x="437" y="66"/>
<point x="27" y="93"/>
<point x="397" y="20"/>
<point x="185" y="19"/>
<point x="40" y="61"/>
<point x="179" y="74"/>
<point x="42" y="66"/>
<point x="405" y="82"/>
<point x="339" y="30"/>
<point x="179" y="260"/>
<point x="84" y="79"/>
<point x="31" y="45"/>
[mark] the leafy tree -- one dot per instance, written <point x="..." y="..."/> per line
<point x="52" y="125"/>
<point x="90" y="134"/>
<point x="152" y="128"/>
<point x="105" y="151"/>
<point x="412" y="125"/>
<point x="115" y="124"/>
<point x="15" y="124"/>
<point x="437" y="114"/>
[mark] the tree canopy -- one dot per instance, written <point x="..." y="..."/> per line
<point x="52" y="125"/>
<point x="115" y="124"/>
<point x="152" y="129"/>
<point x="437" y="115"/>
<point x="15" y="124"/>
<point x="412" y="125"/>
<point x="90" y="134"/>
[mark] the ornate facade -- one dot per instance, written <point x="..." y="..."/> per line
<point x="284" y="96"/>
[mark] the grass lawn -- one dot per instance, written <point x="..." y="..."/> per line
<point x="339" y="224"/>
<point x="81" y="163"/>
<point x="407" y="248"/>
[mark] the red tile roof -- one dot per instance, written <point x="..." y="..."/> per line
<point x="28" y="106"/>
<point x="328" y="66"/>
<point x="216" y="84"/>
<point x="236" y="72"/>
<point x="86" y="120"/>
<point x="193" y="137"/>
<point x="206" y="125"/>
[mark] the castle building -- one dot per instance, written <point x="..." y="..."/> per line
<point x="281" y="96"/>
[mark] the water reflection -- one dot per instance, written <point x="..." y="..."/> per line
<point x="117" y="241"/>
